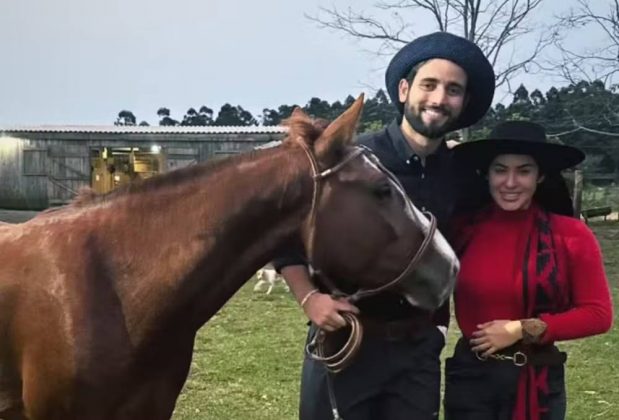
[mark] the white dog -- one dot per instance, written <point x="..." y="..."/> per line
<point x="268" y="275"/>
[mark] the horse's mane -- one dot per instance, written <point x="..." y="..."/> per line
<point x="300" y="126"/>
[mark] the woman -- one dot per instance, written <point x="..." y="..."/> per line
<point x="529" y="276"/>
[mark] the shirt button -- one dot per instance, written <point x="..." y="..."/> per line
<point x="408" y="162"/>
<point x="423" y="208"/>
<point x="416" y="158"/>
<point x="423" y="176"/>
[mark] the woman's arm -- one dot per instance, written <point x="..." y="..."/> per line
<point x="591" y="312"/>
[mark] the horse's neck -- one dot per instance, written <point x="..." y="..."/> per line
<point x="194" y="247"/>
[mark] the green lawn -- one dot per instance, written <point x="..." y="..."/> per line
<point x="247" y="359"/>
<point x="600" y="197"/>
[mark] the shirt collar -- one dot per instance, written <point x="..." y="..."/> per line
<point x="403" y="148"/>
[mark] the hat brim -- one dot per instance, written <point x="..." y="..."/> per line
<point x="551" y="157"/>
<point x="467" y="55"/>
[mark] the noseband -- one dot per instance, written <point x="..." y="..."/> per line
<point x="342" y="358"/>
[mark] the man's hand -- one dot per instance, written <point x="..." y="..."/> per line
<point x="495" y="335"/>
<point x="324" y="311"/>
<point x="321" y="309"/>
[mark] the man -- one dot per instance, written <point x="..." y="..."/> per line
<point x="440" y="83"/>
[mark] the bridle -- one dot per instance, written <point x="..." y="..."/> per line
<point x="315" y="348"/>
<point x="318" y="178"/>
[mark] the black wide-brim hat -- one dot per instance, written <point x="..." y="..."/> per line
<point x="521" y="138"/>
<point x="480" y="75"/>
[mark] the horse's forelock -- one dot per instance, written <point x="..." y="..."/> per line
<point x="305" y="127"/>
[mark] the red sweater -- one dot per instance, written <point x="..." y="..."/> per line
<point x="489" y="288"/>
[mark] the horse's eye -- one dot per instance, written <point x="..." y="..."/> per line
<point x="382" y="190"/>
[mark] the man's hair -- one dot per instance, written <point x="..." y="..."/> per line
<point x="413" y="71"/>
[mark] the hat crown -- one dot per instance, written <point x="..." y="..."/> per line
<point x="519" y="130"/>
<point x="459" y="50"/>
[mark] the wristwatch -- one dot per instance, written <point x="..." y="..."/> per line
<point x="533" y="330"/>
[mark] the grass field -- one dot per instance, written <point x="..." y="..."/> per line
<point x="247" y="359"/>
<point x="600" y="197"/>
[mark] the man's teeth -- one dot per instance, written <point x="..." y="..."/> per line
<point x="434" y="112"/>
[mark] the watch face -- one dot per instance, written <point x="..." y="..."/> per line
<point x="533" y="329"/>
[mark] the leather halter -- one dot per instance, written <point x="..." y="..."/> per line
<point x="342" y="358"/>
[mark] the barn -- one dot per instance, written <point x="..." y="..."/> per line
<point x="46" y="166"/>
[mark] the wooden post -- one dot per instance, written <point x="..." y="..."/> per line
<point x="577" y="198"/>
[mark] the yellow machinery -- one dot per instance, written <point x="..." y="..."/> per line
<point x="113" y="167"/>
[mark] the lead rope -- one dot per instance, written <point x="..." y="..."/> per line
<point x="338" y="361"/>
<point x="332" y="399"/>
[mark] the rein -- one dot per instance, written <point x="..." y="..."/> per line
<point x="315" y="349"/>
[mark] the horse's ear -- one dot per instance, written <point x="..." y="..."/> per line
<point x="297" y="112"/>
<point x="341" y="132"/>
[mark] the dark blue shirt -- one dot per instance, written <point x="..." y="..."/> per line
<point x="431" y="187"/>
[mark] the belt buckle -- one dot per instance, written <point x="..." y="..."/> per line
<point x="520" y="359"/>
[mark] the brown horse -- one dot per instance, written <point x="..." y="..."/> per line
<point x="100" y="301"/>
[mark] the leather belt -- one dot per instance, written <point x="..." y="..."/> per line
<point x="520" y="355"/>
<point x="396" y="330"/>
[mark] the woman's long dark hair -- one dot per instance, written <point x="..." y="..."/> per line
<point x="553" y="195"/>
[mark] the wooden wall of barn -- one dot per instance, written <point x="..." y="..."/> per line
<point x="23" y="179"/>
<point x="43" y="169"/>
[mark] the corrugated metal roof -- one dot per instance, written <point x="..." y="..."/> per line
<point x="124" y="129"/>
<point x="268" y="145"/>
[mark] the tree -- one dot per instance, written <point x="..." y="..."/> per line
<point x="377" y="112"/>
<point x="318" y="108"/>
<point x="270" y="117"/>
<point x="537" y="98"/>
<point x="164" y="115"/>
<point x="125" y="118"/>
<point x="598" y="60"/>
<point x="203" y="117"/>
<point x="275" y="117"/>
<point x="495" y="26"/>
<point x="584" y="114"/>
<point x="234" y="115"/>
<point x="521" y="106"/>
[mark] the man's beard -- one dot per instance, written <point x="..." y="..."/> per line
<point x="430" y="131"/>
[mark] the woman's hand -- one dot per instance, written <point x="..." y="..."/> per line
<point x="495" y="335"/>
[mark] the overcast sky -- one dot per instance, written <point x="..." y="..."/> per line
<point x="82" y="61"/>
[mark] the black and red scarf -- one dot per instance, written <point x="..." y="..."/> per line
<point x="545" y="291"/>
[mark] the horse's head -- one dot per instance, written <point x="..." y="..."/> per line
<point x="363" y="233"/>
